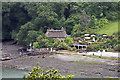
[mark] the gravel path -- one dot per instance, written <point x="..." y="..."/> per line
<point x="106" y="54"/>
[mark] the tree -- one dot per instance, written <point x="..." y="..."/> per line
<point x="43" y="42"/>
<point x="56" y="43"/>
<point x="69" y="41"/>
<point x="84" y="20"/>
<point x="93" y="47"/>
<point x="24" y="31"/>
<point x="93" y="23"/>
<point x="31" y="36"/>
<point x="54" y="15"/>
<point x="102" y="22"/>
<point x="38" y="74"/>
<point x="36" y="45"/>
<point x="63" y="45"/>
<point x="77" y="30"/>
<point x="13" y="15"/>
<point x="102" y="10"/>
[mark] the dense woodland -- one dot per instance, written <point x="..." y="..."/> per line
<point x="25" y="22"/>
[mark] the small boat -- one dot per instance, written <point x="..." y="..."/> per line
<point x="5" y="58"/>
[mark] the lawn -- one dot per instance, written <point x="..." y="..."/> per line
<point x="109" y="29"/>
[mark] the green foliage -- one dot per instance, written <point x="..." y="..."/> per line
<point x="27" y="34"/>
<point x="13" y="34"/>
<point x="84" y="20"/>
<point x="98" y="23"/>
<point x="76" y="30"/>
<point x="36" y="45"/>
<point x="14" y="15"/>
<point x="69" y="41"/>
<point x="102" y="22"/>
<point x="56" y="43"/>
<point x="111" y="44"/>
<point x="64" y="45"/>
<point x="93" y="23"/>
<point x="90" y="31"/>
<point x="103" y="57"/>
<point x="93" y="47"/>
<point x="117" y="48"/>
<point x="111" y="78"/>
<point x="43" y="42"/>
<point x="31" y="36"/>
<point x="109" y="29"/>
<point x="105" y="44"/>
<point x="20" y="18"/>
<point x="38" y="74"/>
<point x="88" y="26"/>
<point x="104" y="9"/>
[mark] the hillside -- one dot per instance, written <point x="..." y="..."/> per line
<point x="109" y="29"/>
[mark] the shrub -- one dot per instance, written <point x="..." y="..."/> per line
<point x="93" y="47"/>
<point x="38" y="74"/>
<point x="69" y="40"/>
<point x="64" y="45"/>
<point x="60" y="44"/>
<point x="36" y="45"/>
<point x="117" y="48"/>
<point x="43" y="42"/>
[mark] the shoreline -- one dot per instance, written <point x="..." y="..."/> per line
<point x="66" y="64"/>
<point x="78" y="68"/>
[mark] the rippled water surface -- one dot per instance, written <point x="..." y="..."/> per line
<point x="13" y="73"/>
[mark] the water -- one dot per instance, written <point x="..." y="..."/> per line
<point x="13" y="73"/>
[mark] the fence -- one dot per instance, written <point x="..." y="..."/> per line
<point x="40" y="51"/>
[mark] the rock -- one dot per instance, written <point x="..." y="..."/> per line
<point x="43" y="57"/>
<point x="111" y="69"/>
<point x="118" y="70"/>
<point x="97" y="73"/>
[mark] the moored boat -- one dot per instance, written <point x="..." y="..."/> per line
<point x="5" y="58"/>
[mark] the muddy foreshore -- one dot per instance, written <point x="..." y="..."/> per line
<point x="65" y="67"/>
<point x="77" y="68"/>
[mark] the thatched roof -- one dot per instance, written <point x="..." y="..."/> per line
<point x="56" y="33"/>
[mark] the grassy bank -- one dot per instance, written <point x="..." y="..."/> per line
<point x="103" y="57"/>
<point x="88" y="62"/>
<point x="109" y="29"/>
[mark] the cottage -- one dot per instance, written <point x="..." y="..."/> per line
<point x="56" y="34"/>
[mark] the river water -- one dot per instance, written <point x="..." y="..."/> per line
<point x="6" y="72"/>
<point x="12" y="73"/>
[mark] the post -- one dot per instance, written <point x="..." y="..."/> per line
<point x="50" y="49"/>
<point x="78" y="47"/>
